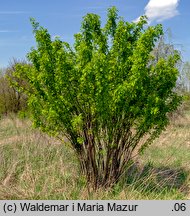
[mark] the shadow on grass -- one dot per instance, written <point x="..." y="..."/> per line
<point x="150" y="178"/>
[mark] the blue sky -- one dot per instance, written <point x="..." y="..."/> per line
<point x="63" y="18"/>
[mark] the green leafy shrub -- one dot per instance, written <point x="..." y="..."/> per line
<point x="103" y="94"/>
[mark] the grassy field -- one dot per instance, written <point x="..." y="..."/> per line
<point x="35" y="166"/>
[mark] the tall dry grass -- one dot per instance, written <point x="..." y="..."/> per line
<point x="36" y="166"/>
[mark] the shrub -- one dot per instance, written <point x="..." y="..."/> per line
<point x="103" y="94"/>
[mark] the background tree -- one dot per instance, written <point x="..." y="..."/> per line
<point x="165" y="48"/>
<point x="185" y="75"/>
<point x="11" y="99"/>
<point x="103" y="94"/>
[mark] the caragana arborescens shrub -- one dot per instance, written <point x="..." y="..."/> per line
<point x="103" y="93"/>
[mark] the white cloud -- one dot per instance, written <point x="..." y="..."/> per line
<point x="159" y="10"/>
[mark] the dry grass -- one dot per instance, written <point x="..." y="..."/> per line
<point x="171" y="152"/>
<point x="36" y="166"/>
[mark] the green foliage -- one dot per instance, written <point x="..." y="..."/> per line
<point x="103" y="93"/>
